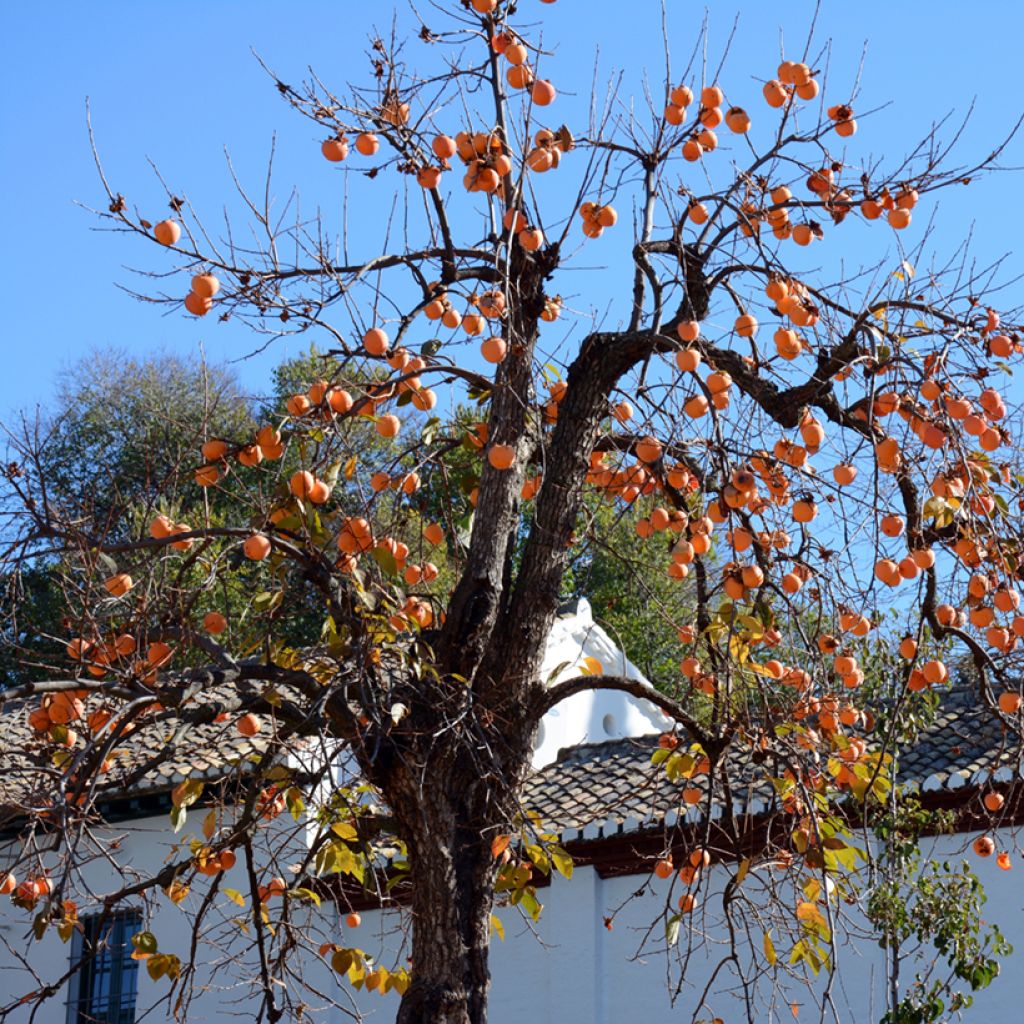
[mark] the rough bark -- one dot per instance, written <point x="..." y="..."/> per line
<point x="448" y="820"/>
<point x="451" y="906"/>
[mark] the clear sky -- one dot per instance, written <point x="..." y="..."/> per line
<point x="177" y="83"/>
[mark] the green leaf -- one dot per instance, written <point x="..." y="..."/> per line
<point x="305" y="894"/>
<point x="529" y="902"/>
<point x="672" y="929"/>
<point x="267" y="601"/>
<point x="562" y="861"/>
<point x="178" y="818"/>
<point x="386" y="560"/>
<point x="296" y="805"/>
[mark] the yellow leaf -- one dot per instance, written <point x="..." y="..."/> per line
<point x="497" y="927"/>
<point x="235" y="896"/>
<point x="176" y="892"/>
<point x="769" y="949"/>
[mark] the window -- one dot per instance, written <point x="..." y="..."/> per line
<point x="104" y="990"/>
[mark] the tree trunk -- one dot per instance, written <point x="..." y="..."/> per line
<point x="452" y="894"/>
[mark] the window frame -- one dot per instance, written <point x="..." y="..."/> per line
<point x="104" y="989"/>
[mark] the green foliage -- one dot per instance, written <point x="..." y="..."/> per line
<point x="930" y="913"/>
<point x="129" y="430"/>
<point x="625" y="581"/>
<point x="120" y="443"/>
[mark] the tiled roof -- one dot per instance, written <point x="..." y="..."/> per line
<point x="208" y="750"/>
<point x="597" y="790"/>
<point x="966" y="744"/>
<point x="592" y="790"/>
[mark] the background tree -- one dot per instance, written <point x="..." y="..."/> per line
<point x="117" y="445"/>
<point x="860" y="459"/>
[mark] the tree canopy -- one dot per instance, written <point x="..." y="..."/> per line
<point x="792" y="432"/>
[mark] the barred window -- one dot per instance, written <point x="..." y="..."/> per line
<point x="103" y="991"/>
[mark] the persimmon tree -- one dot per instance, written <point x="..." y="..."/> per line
<point x="821" y="460"/>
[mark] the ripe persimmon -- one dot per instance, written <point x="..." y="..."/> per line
<point x="746" y="325"/>
<point x="161" y="527"/>
<point x="501" y="456"/>
<point x="376" y="341"/>
<point x="994" y="801"/>
<point x="214" y="450"/>
<point x="214" y="623"/>
<point x="428" y="177"/>
<point x="648" y="450"/>
<point x="367" y="143"/>
<point x="737" y="120"/>
<point x="257" y="547"/>
<point x="519" y="76"/>
<point x="335" y="150"/>
<point x="711" y="96"/>
<point x="899" y="218"/>
<point x="531" y="239"/>
<point x="197" y="305"/>
<point x="494" y="349"/>
<point x="692" y="151"/>
<point x="167" y="232"/>
<point x="543" y="92"/>
<point x="688" y="330"/>
<point x="388" y="426"/>
<point x="775" y="93"/>
<point x="681" y="96"/>
<point x="248" y="725"/>
<point x="207" y="476"/>
<point x="697" y="212"/>
<point x="118" y="585"/>
<point x="205" y="286"/>
<point x="1010" y="702"/>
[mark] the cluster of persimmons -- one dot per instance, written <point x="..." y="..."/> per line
<point x="750" y="532"/>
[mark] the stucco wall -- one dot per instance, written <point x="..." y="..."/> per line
<point x="568" y="969"/>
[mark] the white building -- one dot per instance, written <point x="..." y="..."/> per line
<point x="616" y="814"/>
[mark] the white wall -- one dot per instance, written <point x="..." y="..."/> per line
<point x="594" y="716"/>
<point x="570" y="969"/>
<point x="225" y="964"/>
<point x="573" y="971"/>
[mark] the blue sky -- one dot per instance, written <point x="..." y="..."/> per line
<point x="178" y="84"/>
